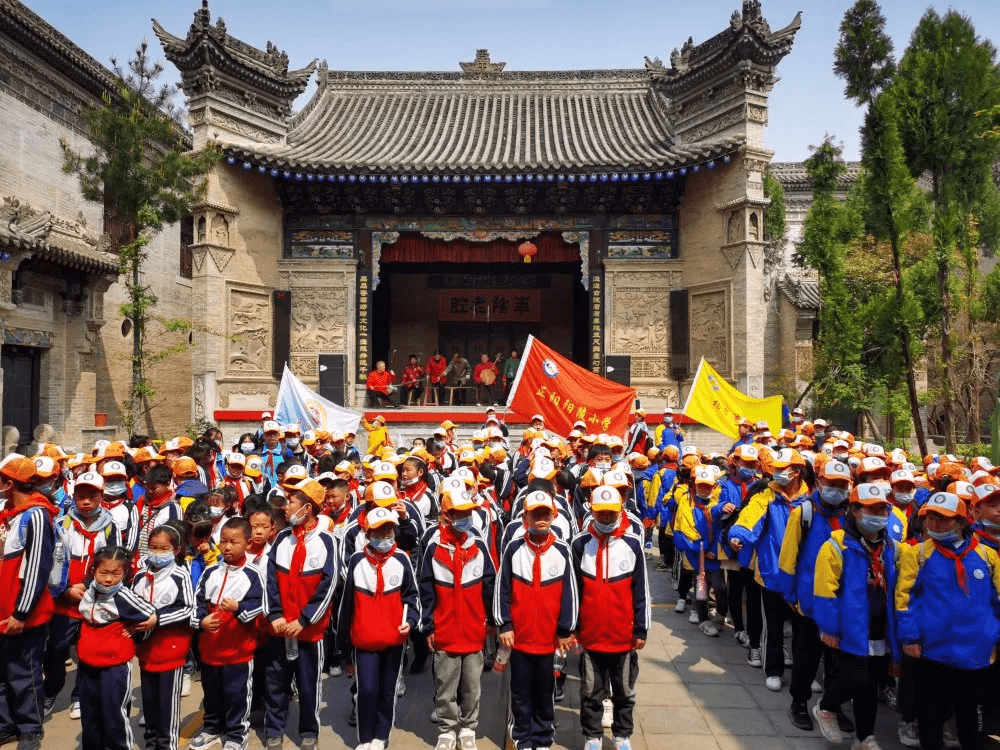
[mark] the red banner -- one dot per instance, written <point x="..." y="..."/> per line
<point x="562" y="392"/>
<point x="490" y="305"/>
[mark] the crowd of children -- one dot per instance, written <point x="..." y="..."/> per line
<point x="291" y="556"/>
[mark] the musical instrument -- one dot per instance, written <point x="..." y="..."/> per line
<point x="488" y="377"/>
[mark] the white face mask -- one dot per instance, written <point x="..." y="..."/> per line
<point x="292" y="443"/>
<point x="298" y="518"/>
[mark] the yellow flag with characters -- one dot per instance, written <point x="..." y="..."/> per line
<point x="716" y="404"/>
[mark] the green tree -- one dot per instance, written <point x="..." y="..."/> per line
<point x="863" y="56"/>
<point x="774" y="223"/>
<point x="142" y="174"/>
<point x="945" y="78"/>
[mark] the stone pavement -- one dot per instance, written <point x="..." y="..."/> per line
<point x="693" y="692"/>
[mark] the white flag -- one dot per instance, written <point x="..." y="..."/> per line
<point x="299" y="404"/>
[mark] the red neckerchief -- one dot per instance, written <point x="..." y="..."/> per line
<point x="257" y="553"/>
<point x="703" y="507"/>
<point x="454" y="561"/>
<point x="987" y="537"/>
<point x="377" y="560"/>
<point x="413" y="491"/>
<point x="225" y="577"/>
<point x="113" y="504"/>
<point x="35" y="500"/>
<point x="90" y="536"/>
<point x="342" y="515"/>
<point x="603" y="540"/>
<point x="539" y="550"/>
<point x="875" y="560"/>
<point x="963" y="579"/>
<point x="293" y="609"/>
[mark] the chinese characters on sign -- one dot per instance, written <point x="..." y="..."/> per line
<point x="490" y="305"/>
<point x="574" y="411"/>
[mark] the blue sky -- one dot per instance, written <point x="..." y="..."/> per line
<point x="807" y="103"/>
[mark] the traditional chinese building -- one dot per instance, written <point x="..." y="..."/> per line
<point x="390" y="214"/>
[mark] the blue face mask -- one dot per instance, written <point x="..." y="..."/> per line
<point x="382" y="545"/>
<point x="946" y="537"/>
<point x="784" y="477"/>
<point x="108" y="590"/>
<point x="462" y="525"/>
<point x="871" y="524"/>
<point x="833" y="495"/>
<point x="745" y="474"/>
<point x="605" y="528"/>
<point x="158" y="561"/>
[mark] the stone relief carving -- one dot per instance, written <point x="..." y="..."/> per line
<point x="305" y="367"/>
<point x="709" y="315"/>
<point x="804" y="361"/>
<point x="249" y="346"/>
<point x="227" y="390"/>
<point x="220" y="230"/>
<point x="199" y="398"/>
<point x="640" y="322"/>
<point x="650" y="367"/>
<point x="583" y="240"/>
<point x="734" y="227"/>
<point x="667" y="393"/>
<point x="379" y="239"/>
<point x="667" y="279"/>
<point x="318" y="320"/>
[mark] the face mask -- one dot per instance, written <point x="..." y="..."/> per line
<point x="668" y="420"/>
<point x="903" y="498"/>
<point x="410" y="482"/>
<point x="108" y="590"/>
<point x="214" y="511"/>
<point x="157" y="561"/>
<point x="833" y="495"/>
<point x="617" y="457"/>
<point x="704" y="498"/>
<point x="247" y="448"/>
<point x="745" y="474"/>
<point x="47" y="488"/>
<point x="605" y="528"/>
<point x="948" y="537"/>
<point x="872" y="524"/>
<point x="382" y="545"/>
<point x="796" y="420"/>
<point x="115" y="489"/>
<point x="298" y="518"/>
<point x="819" y="437"/>
<point x="88" y="516"/>
<point x="602" y="465"/>
<point x="359" y="475"/>
<point x="292" y="443"/>
<point x="462" y="525"/>
<point x="842" y="457"/>
<point x="783" y="477"/>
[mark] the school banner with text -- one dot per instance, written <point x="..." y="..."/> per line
<point x="716" y="404"/>
<point x="549" y="384"/>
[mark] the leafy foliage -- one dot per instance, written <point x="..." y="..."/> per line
<point x="863" y="56"/>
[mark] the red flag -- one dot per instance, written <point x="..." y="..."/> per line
<point x="562" y="392"/>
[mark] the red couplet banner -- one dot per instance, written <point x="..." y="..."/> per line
<point x="563" y="392"/>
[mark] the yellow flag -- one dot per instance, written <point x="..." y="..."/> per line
<point x="716" y="404"/>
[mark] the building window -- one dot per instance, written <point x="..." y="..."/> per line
<point x="187" y="239"/>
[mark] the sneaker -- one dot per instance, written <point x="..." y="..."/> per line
<point x="435" y="717"/>
<point x="74" y="710"/>
<point x="29" y="742"/>
<point x="623" y="743"/>
<point x="719" y="620"/>
<point x="742" y="638"/>
<point x="363" y="746"/>
<point x="693" y="617"/>
<point x="679" y="607"/>
<point x="662" y="566"/>
<point x="816" y="687"/>
<point x="274" y="742"/>
<point x="709" y="628"/>
<point x="908" y="734"/>
<point x="594" y="743"/>
<point x="48" y="706"/>
<point x="336" y="671"/>
<point x="868" y="743"/>
<point x="445" y="742"/>
<point x="142" y="718"/>
<point x="311" y="743"/>
<point x="948" y="737"/>
<point x="467" y="740"/>
<point x="376" y="744"/>
<point x="799" y="715"/>
<point x="786" y="652"/>
<point x="203" y="741"/>
<point x="559" y="694"/>
<point x="234" y="745"/>
<point x="186" y="686"/>
<point x="400" y="692"/>
<point x="753" y="658"/>
<point x="649" y="545"/>
<point x="773" y="684"/>
<point x="827" y="721"/>
<point x="844" y="723"/>
<point x="609" y="716"/>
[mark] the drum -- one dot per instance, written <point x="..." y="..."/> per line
<point x="488" y="377"/>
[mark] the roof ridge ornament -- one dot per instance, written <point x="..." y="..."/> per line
<point x="482" y="66"/>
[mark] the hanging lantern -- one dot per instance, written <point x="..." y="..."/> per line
<point x="527" y="250"/>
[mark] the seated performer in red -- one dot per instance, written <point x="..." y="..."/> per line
<point x="436" y="378"/>
<point x="380" y="386"/>
<point x="486" y="376"/>
<point x="413" y="380"/>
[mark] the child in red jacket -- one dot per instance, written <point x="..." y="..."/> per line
<point x="166" y="586"/>
<point x="378" y="610"/>
<point x="110" y="613"/>
<point x="229" y="601"/>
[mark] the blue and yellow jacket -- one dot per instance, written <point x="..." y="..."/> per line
<point x="698" y="527"/>
<point x="800" y="548"/>
<point x="761" y="527"/>
<point x="989" y="537"/>
<point x="841" y="606"/>
<point x="659" y="488"/>
<point x="954" y="624"/>
<point x="899" y="524"/>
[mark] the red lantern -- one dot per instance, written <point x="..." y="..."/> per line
<point x="527" y="250"/>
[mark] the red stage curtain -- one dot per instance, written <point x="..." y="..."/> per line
<point x="414" y="248"/>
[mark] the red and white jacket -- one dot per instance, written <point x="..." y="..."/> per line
<point x="171" y="594"/>
<point x="379" y="591"/>
<point x="301" y="592"/>
<point x="104" y="641"/>
<point x="29" y="543"/>
<point x="614" y="592"/>
<point x="457" y="577"/>
<point x="535" y="595"/>
<point x="125" y="514"/>
<point x="79" y="541"/>
<point x="236" y="640"/>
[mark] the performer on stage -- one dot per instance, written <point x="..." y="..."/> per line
<point x="380" y="386"/>
<point x="510" y="366"/>
<point x="458" y="373"/>
<point x="436" y="366"/>
<point x="486" y="376"/>
<point x="413" y="380"/>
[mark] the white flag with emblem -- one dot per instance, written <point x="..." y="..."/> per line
<point x="299" y="404"/>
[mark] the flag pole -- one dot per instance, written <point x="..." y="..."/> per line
<point x="697" y="375"/>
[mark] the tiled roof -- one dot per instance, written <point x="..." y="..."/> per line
<point x="802" y="293"/>
<point x="64" y="243"/>
<point x="546" y="122"/>
<point x="793" y="175"/>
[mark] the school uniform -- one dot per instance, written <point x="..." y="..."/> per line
<point x="24" y="574"/>
<point x="408" y="534"/>
<point x="457" y="579"/>
<point x="163" y="652"/>
<point x="227" y="655"/>
<point x="380" y="591"/>
<point x="156" y="514"/>
<point x="106" y="651"/>
<point x="615" y="609"/>
<point x="301" y="575"/>
<point x="536" y="599"/>
<point x="421" y="498"/>
<point x="76" y="541"/>
<point x="125" y="514"/>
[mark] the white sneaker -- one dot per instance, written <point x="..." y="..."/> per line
<point x="363" y="746"/>
<point x="719" y="620"/>
<point x="376" y="744"/>
<point x="908" y="736"/>
<point x="709" y="628"/>
<point x="680" y="606"/>
<point x="948" y="736"/>
<point x="827" y="721"/>
<point x="203" y="741"/>
<point x="868" y="743"/>
<point x="467" y="740"/>
<point x="435" y="717"/>
<point x="693" y="617"/>
<point x="754" y="659"/>
<point x="594" y="743"/>
<point x="608" y="718"/>
<point x="400" y="692"/>
<point x="445" y="742"/>
<point x="186" y="686"/>
<point x="234" y="745"/>
<point x="336" y="671"/>
<point x="773" y="684"/>
<point x="74" y="710"/>
<point x="816" y="687"/>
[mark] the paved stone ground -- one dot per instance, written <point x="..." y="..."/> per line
<point x="693" y="692"/>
